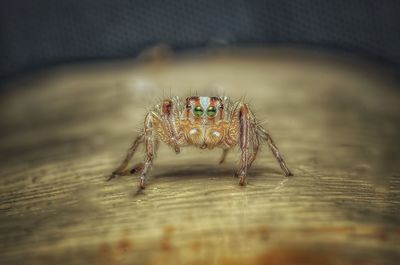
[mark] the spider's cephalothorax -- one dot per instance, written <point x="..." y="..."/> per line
<point x="204" y="122"/>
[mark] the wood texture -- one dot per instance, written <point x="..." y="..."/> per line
<point x="336" y="121"/>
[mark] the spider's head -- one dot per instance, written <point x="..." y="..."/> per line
<point x="209" y="108"/>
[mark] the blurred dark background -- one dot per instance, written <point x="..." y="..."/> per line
<point x="41" y="33"/>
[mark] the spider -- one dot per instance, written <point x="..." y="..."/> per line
<point x="203" y="122"/>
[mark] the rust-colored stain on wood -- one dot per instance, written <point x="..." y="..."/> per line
<point x="287" y="256"/>
<point x="166" y="241"/>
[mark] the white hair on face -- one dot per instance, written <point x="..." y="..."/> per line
<point x="205" y="102"/>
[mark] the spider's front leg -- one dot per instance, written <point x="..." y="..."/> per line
<point x="150" y="143"/>
<point x="223" y="156"/>
<point x="245" y="139"/>
<point x="251" y="134"/>
<point x="156" y="128"/>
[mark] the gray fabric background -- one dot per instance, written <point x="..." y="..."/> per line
<point x="39" y="33"/>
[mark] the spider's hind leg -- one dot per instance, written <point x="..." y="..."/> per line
<point x="140" y="166"/>
<point x="265" y="136"/>
<point x="121" y="169"/>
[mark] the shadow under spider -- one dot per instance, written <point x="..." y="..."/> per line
<point x="205" y="171"/>
<point x="202" y="171"/>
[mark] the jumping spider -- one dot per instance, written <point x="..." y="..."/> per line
<point x="204" y="122"/>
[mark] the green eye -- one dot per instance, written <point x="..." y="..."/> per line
<point x="198" y="111"/>
<point x="211" y="111"/>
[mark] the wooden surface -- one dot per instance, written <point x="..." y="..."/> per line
<point x="336" y="120"/>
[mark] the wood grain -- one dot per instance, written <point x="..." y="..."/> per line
<point x="335" y="119"/>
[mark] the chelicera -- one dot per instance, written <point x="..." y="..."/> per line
<point x="203" y="122"/>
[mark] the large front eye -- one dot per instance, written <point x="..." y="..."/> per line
<point x="198" y="111"/>
<point x="211" y="111"/>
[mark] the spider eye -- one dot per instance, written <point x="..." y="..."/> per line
<point x="198" y="111"/>
<point x="211" y="111"/>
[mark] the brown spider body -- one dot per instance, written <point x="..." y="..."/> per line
<point x="204" y="122"/>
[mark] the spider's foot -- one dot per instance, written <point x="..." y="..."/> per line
<point x="289" y="174"/>
<point x="242" y="181"/>
<point x="177" y="149"/>
<point x="113" y="175"/>
<point x="142" y="184"/>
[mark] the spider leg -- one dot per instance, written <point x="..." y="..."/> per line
<point x="155" y="129"/>
<point x="255" y="142"/>
<point x="223" y="156"/>
<point x="120" y="170"/>
<point x="150" y="142"/>
<point x="244" y="141"/>
<point x="249" y="141"/>
<point x="170" y="124"/>
<point x="264" y="135"/>
<point x="139" y="166"/>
